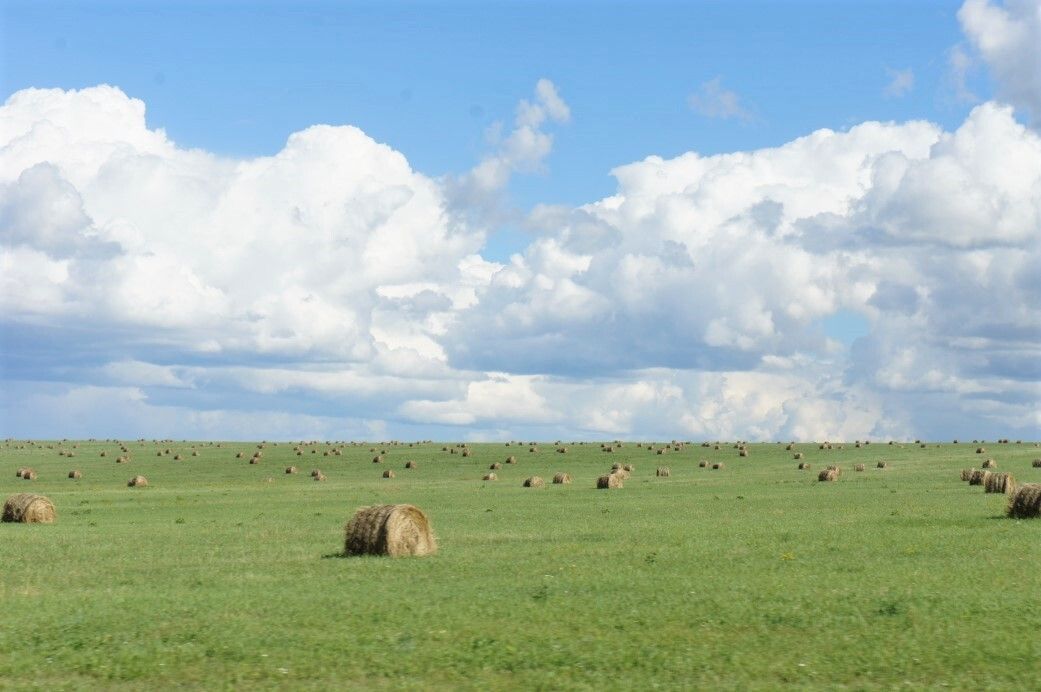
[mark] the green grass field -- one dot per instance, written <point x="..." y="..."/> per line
<point x="223" y="574"/>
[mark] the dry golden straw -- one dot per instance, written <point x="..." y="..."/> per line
<point x="609" y="481"/>
<point x="663" y="472"/>
<point x="989" y="464"/>
<point x="828" y="475"/>
<point x="1004" y="483"/>
<point x="562" y="478"/>
<point x="534" y="482"/>
<point x="490" y="477"/>
<point x="75" y="475"/>
<point x="27" y="508"/>
<point x="137" y="482"/>
<point x="1026" y="502"/>
<point x="392" y="530"/>
<point x="388" y="474"/>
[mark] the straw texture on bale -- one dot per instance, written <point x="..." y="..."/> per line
<point x="1003" y="483"/>
<point x="490" y="477"/>
<point x="511" y="460"/>
<point x="629" y="467"/>
<point x="608" y="481"/>
<point x="828" y="475"/>
<point x="803" y="466"/>
<point x="1036" y="463"/>
<point x="137" y="482"/>
<point x="29" y="475"/>
<point x="718" y="465"/>
<point x="858" y="467"/>
<point x="319" y="476"/>
<point x="882" y="465"/>
<point x="1025" y="503"/>
<point x="743" y="453"/>
<point x="966" y="474"/>
<point x="621" y="473"/>
<point x="388" y="474"/>
<point x="976" y="477"/>
<point x="27" y="508"/>
<point x="410" y="465"/>
<point x="562" y="478"/>
<point x="392" y="530"/>
<point x="75" y="475"/>
<point x="291" y="469"/>
<point x="663" y="472"/>
<point x="702" y="464"/>
<point x="21" y="471"/>
<point x="798" y="455"/>
<point x="534" y="482"/>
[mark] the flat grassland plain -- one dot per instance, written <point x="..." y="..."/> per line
<point x="226" y="574"/>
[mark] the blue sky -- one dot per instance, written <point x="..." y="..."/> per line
<point x="441" y="83"/>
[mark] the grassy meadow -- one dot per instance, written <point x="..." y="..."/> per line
<point x="225" y="574"/>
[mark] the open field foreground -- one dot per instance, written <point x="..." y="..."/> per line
<point x="222" y="573"/>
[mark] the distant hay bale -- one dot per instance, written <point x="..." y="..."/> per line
<point x="533" y="449"/>
<point x="803" y="466"/>
<point x="661" y="451"/>
<point x="981" y="450"/>
<point x="75" y="475"/>
<point x="534" y="482"/>
<point x="989" y="464"/>
<point x="562" y="478"/>
<point x="828" y="475"/>
<point x="977" y="476"/>
<point x="561" y="450"/>
<point x="1036" y="463"/>
<point x="718" y="466"/>
<point x="1004" y="483"/>
<point x="511" y="459"/>
<point x="615" y="466"/>
<point x="137" y="482"/>
<point x="291" y="469"/>
<point x="490" y="477"/>
<point x="391" y="530"/>
<point x="254" y="460"/>
<point x="388" y="474"/>
<point x="663" y="472"/>
<point x="319" y="477"/>
<point x="608" y="481"/>
<point x="177" y="457"/>
<point x="21" y="471"/>
<point x="1026" y="502"/>
<point x="377" y="459"/>
<point x="29" y="475"/>
<point x="621" y="473"/>
<point x="467" y="453"/>
<point x="238" y="455"/>
<point x="858" y="467"/>
<point x="882" y="465"/>
<point x="703" y="464"/>
<point x="27" y="508"/>
<point x="966" y="474"/>
<point x="798" y="455"/>
<point x="788" y="447"/>
<point x="496" y="466"/>
<point x="629" y="467"/>
<point x="315" y="473"/>
<point x="743" y="453"/>
<point x="411" y="465"/>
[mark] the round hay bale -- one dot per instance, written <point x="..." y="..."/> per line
<point x="254" y="460"/>
<point x="511" y="460"/>
<point x="21" y="471"/>
<point x="1025" y="503"/>
<point x="858" y="467"/>
<point x="976" y="477"/>
<point x="495" y="466"/>
<point x="534" y="482"/>
<point x="137" y="482"/>
<point x="703" y="464"/>
<point x="882" y="465"/>
<point x="609" y="481"/>
<point x="743" y="453"/>
<point x="980" y="450"/>
<point x="315" y="473"/>
<point x="827" y="475"/>
<point x="75" y="475"/>
<point x="490" y="477"/>
<point x="468" y="453"/>
<point x="319" y="477"/>
<point x="562" y="479"/>
<point x="798" y="455"/>
<point x="411" y="465"/>
<point x="803" y="466"/>
<point x="392" y="530"/>
<point x="29" y="475"/>
<point x="662" y="451"/>
<point x="663" y="472"/>
<point x="989" y="464"/>
<point x="238" y="455"/>
<point x="27" y="508"/>
<point x="291" y="469"/>
<point x="788" y="447"/>
<point x="377" y="459"/>
<point x="533" y="449"/>
<point x="1004" y="483"/>
<point x="388" y="474"/>
<point x="718" y="466"/>
<point x="621" y="473"/>
<point x="615" y="466"/>
<point x="966" y="474"/>
<point x="1036" y="463"/>
<point x="629" y="467"/>
<point x="561" y="450"/>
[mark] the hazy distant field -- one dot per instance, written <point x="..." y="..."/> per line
<point x="223" y="573"/>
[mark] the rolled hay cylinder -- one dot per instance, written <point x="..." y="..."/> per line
<point x="137" y="482"/>
<point x="388" y="474"/>
<point x="798" y="455"/>
<point x="319" y="477"/>
<point x="966" y="474"/>
<point x="496" y="466"/>
<point x="703" y="464"/>
<point x="609" y="481"/>
<point x="510" y="460"/>
<point x="989" y="464"/>
<point x="858" y="467"/>
<point x="561" y="450"/>
<point x="377" y="459"/>
<point x="533" y="450"/>
<point x="254" y="460"/>
<point x="976" y="477"/>
<point x="562" y="478"/>
<point x="803" y="466"/>
<point x="1025" y="503"/>
<point x="882" y="465"/>
<point x="827" y="475"/>
<point x="981" y="450"/>
<point x="21" y="471"/>
<point x="661" y="451"/>
<point x="490" y="477"/>
<point x="534" y="482"/>
<point x="743" y="453"/>
<point x="291" y="469"/>
<point x="75" y="475"/>
<point x="29" y="475"/>
<point x="663" y="472"/>
<point x="621" y="473"/>
<point x="391" y="530"/>
<point x="27" y="508"/>
<point x="238" y="455"/>
<point x="718" y="466"/>
<point x="315" y="473"/>
<point x="411" y="465"/>
<point x="468" y="453"/>
<point x="788" y="447"/>
<point x="629" y="467"/>
<point x="1004" y="483"/>
<point x="1036" y="463"/>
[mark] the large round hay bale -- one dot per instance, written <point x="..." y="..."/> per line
<point x="858" y="467"/>
<point x="388" y="474"/>
<point x="803" y="466"/>
<point x="703" y="464"/>
<point x="75" y="475"/>
<point x="828" y="475"/>
<point x="882" y="465"/>
<point x="392" y="530"/>
<point x="377" y="459"/>
<point x="511" y="460"/>
<point x="989" y="464"/>
<point x="467" y="452"/>
<point x="609" y="481"/>
<point x="743" y="453"/>
<point x="291" y="469"/>
<point x="981" y="450"/>
<point x="966" y="474"/>
<point x="976" y="477"/>
<point x="21" y="471"/>
<point x="1036" y="463"/>
<point x="1004" y="483"/>
<point x="718" y="466"/>
<point x="629" y="467"/>
<point x="490" y="477"/>
<point x="797" y="455"/>
<point x="534" y="482"/>
<point x="1025" y="503"/>
<point x="621" y="473"/>
<point x="788" y="447"/>
<point x="562" y="478"/>
<point x="663" y="472"/>
<point x="137" y="482"/>
<point x="319" y="476"/>
<point x="411" y="465"/>
<point x="29" y="475"/>
<point x="27" y="508"/>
